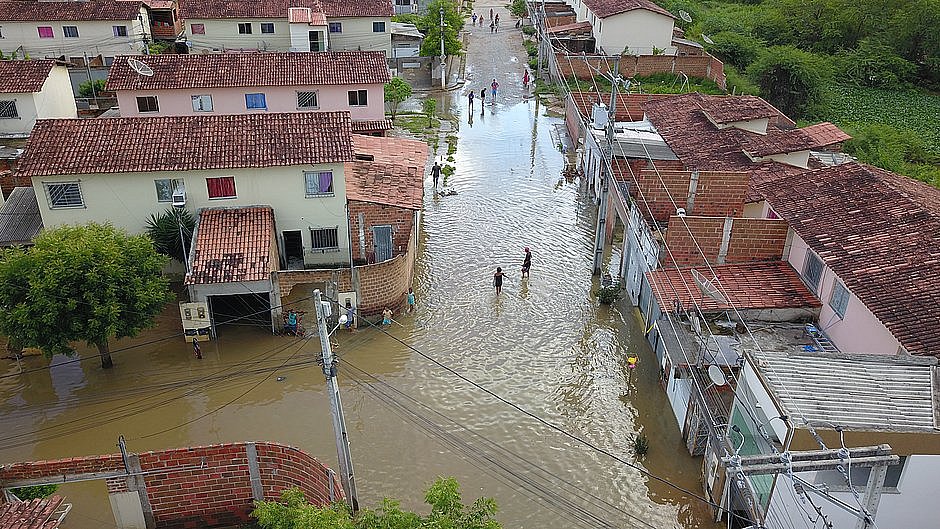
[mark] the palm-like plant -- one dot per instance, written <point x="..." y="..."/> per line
<point x="164" y="230"/>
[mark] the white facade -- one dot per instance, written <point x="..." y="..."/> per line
<point x="95" y="38"/>
<point x="54" y="100"/>
<point x="638" y="30"/>
<point x="362" y="33"/>
<point x="128" y="199"/>
<point x="354" y="33"/>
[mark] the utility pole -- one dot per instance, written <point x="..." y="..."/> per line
<point x="600" y="233"/>
<point x="443" y="56"/>
<point x="346" y="476"/>
<point x="94" y="93"/>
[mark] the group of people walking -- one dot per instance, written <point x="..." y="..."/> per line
<point x="494" y="88"/>
<point x="494" y="21"/>
<point x="498" y="275"/>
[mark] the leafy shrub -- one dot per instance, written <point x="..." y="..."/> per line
<point x="531" y="48"/>
<point x="873" y="64"/>
<point x="164" y="230"/>
<point x="641" y="445"/>
<point x="735" y="49"/>
<point x="528" y="30"/>
<point x="609" y="294"/>
<point x="34" y="492"/>
<point x="790" y="79"/>
<point x="518" y="8"/>
<point x="84" y="89"/>
<point x="739" y="84"/>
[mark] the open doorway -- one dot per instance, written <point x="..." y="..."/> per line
<point x="293" y="250"/>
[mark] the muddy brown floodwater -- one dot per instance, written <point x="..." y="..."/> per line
<point x="545" y="344"/>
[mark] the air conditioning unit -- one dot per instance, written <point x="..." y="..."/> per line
<point x="179" y="198"/>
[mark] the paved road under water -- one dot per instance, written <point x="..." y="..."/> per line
<point x="545" y="344"/>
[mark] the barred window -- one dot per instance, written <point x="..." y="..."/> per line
<point x="307" y="100"/>
<point x="324" y="238"/>
<point x="8" y="109"/>
<point x="812" y="270"/>
<point x="64" y="195"/>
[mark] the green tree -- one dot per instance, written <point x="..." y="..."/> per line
<point x="735" y="49"/>
<point x="430" y="107"/>
<point x="790" y="79"/>
<point x="431" y="27"/>
<point x="164" y="231"/>
<point x="84" y="89"/>
<point x="518" y="8"/>
<point x="396" y="91"/>
<point x="875" y="65"/>
<point x="86" y="283"/>
<point x="447" y="512"/>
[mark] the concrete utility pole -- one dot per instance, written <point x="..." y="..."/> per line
<point x="346" y="476"/>
<point x="600" y="233"/>
<point x="875" y="457"/>
<point x="443" y="56"/>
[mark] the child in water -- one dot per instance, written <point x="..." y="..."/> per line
<point x="386" y="316"/>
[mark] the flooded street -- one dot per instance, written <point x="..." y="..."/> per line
<point x="544" y="344"/>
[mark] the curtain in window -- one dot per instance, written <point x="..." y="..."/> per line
<point x="255" y="101"/>
<point x="221" y="187"/>
<point x="45" y="32"/>
<point x="326" y="182"/>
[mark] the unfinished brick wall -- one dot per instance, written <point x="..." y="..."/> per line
<point x="748" y="240"/>
<point x="401" y="220"/>
<point x="715" y="194"/>
<point x="552" y="21"/>
<point x="704" y="66"/>
<point x="203" y="486"/>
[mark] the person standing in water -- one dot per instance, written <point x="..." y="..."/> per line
<point x="525" y="80"/>
<point x="526" y="263"/>
<point x="498" y="280"/>
<point x="471" y="95"/>
<point x="436" y="173"/>
<point x="493" y="87"/>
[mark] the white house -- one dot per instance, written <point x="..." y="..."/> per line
<point x="288" y="25"/>
<point x="252" y="83"/>
<point x="31" y="90"/>
<point x="95" y="30"/>
<point x="638" y="27"/>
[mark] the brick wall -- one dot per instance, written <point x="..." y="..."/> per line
<point x="552" y="21"/>
<point x="750" y="240"/>
<point x="203" y="486"/>
<point x="716" y="194"/>
<point x="401" y="220"/>
<point x="704" y="66"/>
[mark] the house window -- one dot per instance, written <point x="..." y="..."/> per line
<point x="1" y="33"/>
<point x="108" y="61"/>
<point x="244" y="28"/>
<point x="267" y="27"/>
<point x="8" y="109"/>
<point x="147" y="104"/>
<point x="166" y="187"/>
<point x="255" y="101"/>
<point x="336" y="27"/>
<point x="378" y="27"/>
<point x="812" y="270"/>
<point x="835" y="481"/>
<point x="307" y="100"/>
<point x="202" y="103"/>
<point x="70" y="32"/>
<point x="839" y="300"/>
<point x="45" y="32"/>
<point x="221" y="187"/>
<point x="358" y="98"/>
<point x="198" y="29"/>
<point x="119" y="31"/>
<point x="324" y="238"/>
<point x="318" y="183"/>
<point x="64" y="195"/>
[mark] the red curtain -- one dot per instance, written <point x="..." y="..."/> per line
<point x="222" y="187"/>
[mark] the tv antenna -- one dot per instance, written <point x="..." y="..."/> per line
<point x="684" y="15"/>
<point x="707" y="39"/>
<point x="139" y="67"/>
<point x="708" y="287"/>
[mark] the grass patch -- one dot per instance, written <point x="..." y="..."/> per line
<point x="451" y="145"/>
<point x="531" y="47"/>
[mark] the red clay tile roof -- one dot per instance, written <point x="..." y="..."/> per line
<point x="43" y="11"/>
<point x="184" y="143"/>
<point x="232" y="244"/>
<point x="730" y="109"/>
<point x="395" y="175"/>
<point x="32" y="514"/>
<point x="574" y="27"/>
<point x="879" y="236"/>
<point x="606" y="8"/>
<point x="371" y="125"/>
<point x="826" y="133"/>
<point x="701" y="145"/>
<point x="218" y="70"/>
<point x="783" y="141"/>
<point x="17" y="77"/>
<point x="757" y="285"/>
<point x="228" y="9"/>
<point x="629" y="106"/>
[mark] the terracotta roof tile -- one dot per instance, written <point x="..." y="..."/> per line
<point x="756" y="285"/>
<point x="731" y="109"/>
<point x="44" y="11"/>
<point x="880" y="233"/>
<point x="215" y="70"/>
<point x="393" y="177"/>
<point x="781" y="141"/>
<point x="358" y="8"/>
<point x="228" y="9"/>
<point x="232" y="244"/>
<point x="184" y="143"/>
<point x="31" y="514"/>
<point x="17" y="77"/>
<point x="606" y="8"/>
<point x="574" y="27"/>
<point x="371" y="125"/>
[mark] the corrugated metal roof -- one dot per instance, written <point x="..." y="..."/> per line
<point x="857" y="392"/>
<point x="20" y="221"/>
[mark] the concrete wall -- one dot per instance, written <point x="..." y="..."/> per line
<point x="859" y="331"/>
<point x="55" y="100"/>
<point x="128" y="199"/>
<point x="278" y="98"/>
<point x="357" y="34"/>
<point x="94" y="38"/>
<point x="639" y="30"/>
<point x="746" y="239"/>
<point x="222" y="34"/>
<point x="25" y="108"/>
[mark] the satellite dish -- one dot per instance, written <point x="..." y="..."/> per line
<point x="708" y="287"/>
<point x="139" y="67"/>
<point x="707" y="39"/>
<point x="717" y="375"/>
<point x="684" y="15"/>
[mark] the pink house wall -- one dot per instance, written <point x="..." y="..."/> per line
<point x="178" y="102"/>
<point x="859" y="331"/>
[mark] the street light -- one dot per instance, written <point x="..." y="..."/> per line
<point x="443" y="58"/>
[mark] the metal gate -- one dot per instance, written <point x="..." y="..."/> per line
<point x="382" y="243"/>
